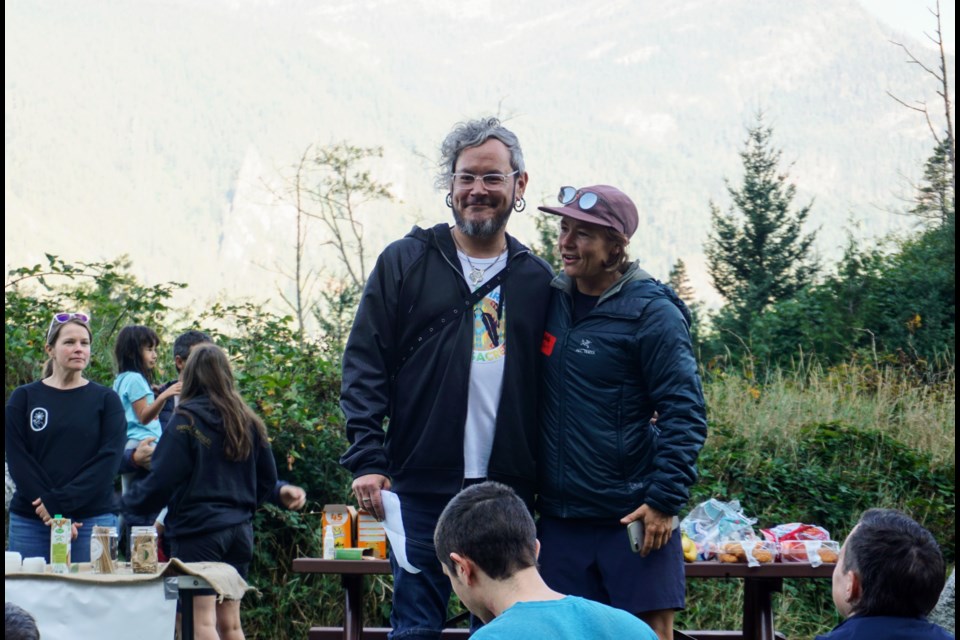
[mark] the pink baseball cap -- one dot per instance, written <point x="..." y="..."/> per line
<point x="600" y="204"/>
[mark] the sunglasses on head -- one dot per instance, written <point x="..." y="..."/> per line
<point x="586" y="200"/>
<point x="63" y="317"/>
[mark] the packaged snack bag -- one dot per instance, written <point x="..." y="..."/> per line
<point x="796" y="531"/>
<point x="713" y="523"/>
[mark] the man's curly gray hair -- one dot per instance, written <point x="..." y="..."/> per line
<point x="471" y="134"/>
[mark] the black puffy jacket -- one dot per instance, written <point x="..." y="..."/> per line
<point x="604" y="376"/>
<point x="416" y="280"/>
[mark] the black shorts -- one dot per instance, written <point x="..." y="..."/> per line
<point x="233" y="545"/>
<point x="593" y="560"/>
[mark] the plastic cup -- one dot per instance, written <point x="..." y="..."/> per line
<point x="34" y="565"/>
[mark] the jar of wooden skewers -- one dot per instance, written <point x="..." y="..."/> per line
<point x="103" y="549"/>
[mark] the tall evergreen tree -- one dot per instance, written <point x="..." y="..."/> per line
<point x="679" y="281"/>
<point x="548" y="232"/>
<point x="757" y="253"/>
<point x="935" y="195"/>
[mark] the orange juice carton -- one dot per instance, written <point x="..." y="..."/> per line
<point x="370" y="534"/>
<point x="343" y="519"/>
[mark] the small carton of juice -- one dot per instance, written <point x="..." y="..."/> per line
<point x="370" y="534"/>
<point x="60" y="533"/>
<point x="343" y="519"/>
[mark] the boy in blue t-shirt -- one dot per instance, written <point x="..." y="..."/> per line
<point x="486" y="541"/>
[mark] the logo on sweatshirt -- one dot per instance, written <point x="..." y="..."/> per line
<point x="38" y="419"/>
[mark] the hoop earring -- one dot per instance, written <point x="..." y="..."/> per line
<point x="520" y="205"/>
<point x="449" y="200"/>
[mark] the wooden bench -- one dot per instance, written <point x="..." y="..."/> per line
<point x="759" y="585"/>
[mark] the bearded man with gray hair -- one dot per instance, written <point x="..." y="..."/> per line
<point x="445" y="346"/>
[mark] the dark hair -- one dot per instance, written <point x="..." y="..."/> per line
<point x="53" y="333"/>
<point x="188" y="340"/>
<point x="129" y="348"/>
<point x="489" y="524"/>
<point x="900" y="565"/>
<point x="473" y="133"/>
<point x="18" y="624"/>
<point x="208" y="374"/>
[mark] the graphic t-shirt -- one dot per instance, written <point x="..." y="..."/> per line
<point x="486" y="368"/>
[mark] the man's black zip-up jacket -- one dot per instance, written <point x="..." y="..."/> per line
<point x="416" y="280"/>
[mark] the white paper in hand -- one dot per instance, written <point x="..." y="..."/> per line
<point x="393" y="525"/>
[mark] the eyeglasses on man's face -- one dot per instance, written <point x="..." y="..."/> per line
<point x="491" y="181"/>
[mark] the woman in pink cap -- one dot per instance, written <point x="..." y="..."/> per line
<point x="617" y="353"/>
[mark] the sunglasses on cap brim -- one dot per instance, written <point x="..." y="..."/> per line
<point x="586" y="200"/>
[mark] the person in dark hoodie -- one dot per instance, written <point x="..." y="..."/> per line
<point x="213" y="467"/>
<point x="622" y="417"/>
<point x="459" y="390"/>
<point x="284" y="494"/>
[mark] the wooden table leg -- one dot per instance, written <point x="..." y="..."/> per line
<point x="352" y="607"/>
<point x="758" y="607"/>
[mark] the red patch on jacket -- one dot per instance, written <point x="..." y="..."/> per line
<point x="546" y="347"/>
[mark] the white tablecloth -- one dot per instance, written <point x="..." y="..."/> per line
<point x="87" y="606"/>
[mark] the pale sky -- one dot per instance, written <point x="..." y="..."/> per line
<point x="913" y="17"/>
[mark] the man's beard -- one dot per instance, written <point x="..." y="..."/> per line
<point x="487" y="228"/>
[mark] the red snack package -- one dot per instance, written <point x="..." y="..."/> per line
<point x="795" y="531"/>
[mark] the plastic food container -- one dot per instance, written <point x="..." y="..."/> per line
<point x="12" y="561"/>
<point x="143" y="550"/>
<point x="816" y="552"/>
<point x="34" y="565"/>
<point x="752" y="552"/>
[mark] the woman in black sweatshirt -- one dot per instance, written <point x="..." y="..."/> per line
<point x="213" y="467"/>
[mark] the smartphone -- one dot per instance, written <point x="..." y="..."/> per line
<point x="635" y="534"/>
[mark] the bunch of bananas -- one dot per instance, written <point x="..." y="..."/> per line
<point x="689" y="548"/>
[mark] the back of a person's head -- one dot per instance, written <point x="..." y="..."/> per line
<point x="207" y="372"/>
<point x="489" y="524"/>
<point x="900" y="565"/>
<point x="18" y="624"/>
<point x="187" y="340"/>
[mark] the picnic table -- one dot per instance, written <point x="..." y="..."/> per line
<point x="759" y="585"/>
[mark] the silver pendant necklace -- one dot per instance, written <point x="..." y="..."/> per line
<point x="476" y="273"/>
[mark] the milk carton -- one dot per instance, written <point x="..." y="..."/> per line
<point x="60" y="533"/>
